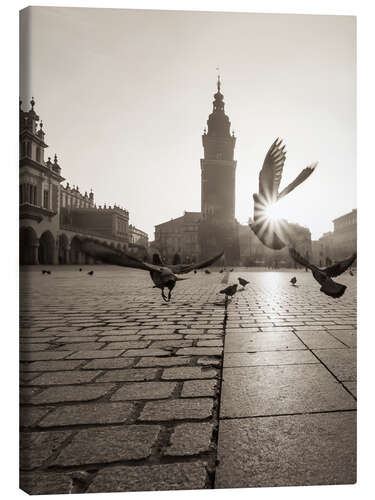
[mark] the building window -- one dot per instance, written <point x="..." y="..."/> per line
<point x="38" y="155"/>
<point x="45" y="199"/>
<point x="23" y="149"/>
<point x="28" y="149"/>
<point x="27" y="194"/>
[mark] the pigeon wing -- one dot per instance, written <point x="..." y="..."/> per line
<point x="340" y="267"/>
<point x="270" y="175"/>
<point x="301" y="260"/>
<point x="306" y="172"/>
<point x="113" y="256"/>
<point x="186" y="268"/>
<point x="267" y="236"/>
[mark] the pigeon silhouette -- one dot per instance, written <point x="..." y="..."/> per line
<point x="293" y="280"/>
<point x="324" y="276"/>
<point x="90" y="273"/>
<point x="229" y="291"/>
<point x="45" y="271"/>
<point x="162" y="276"/>
<point x="207" y="271"/>
<point x="243" y="282"/>
<point x="221" y="271"/>
<point x="268" y="194"/>
<point x="351" y="273"/>
<point x="80" y="269"/>
<point x="231" y="270"/>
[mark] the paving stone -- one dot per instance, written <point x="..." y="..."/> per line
<point x="111" y="353"/>
<point x="93" y="413"/>
<point x="199" y="351"/>
<point x="262" y="341"/>
<point x="160" y="361"/>
<point x="210" y="343"/>
<point x="187" y="372"/>
<point x="177" y="409"/>
<point x="348" y="337"/>
<point x="272" y="390"/>
<point x="46" y="483"/>
<point x="43" y="355"/>
<point x="98" y="445"/>
<point x="144" y="390"/>
<point x="81" y="346"/>
<point x="27" y="394"/>
<point x="288" y="450"/>
<point x="342" y="362"/>
<point x="29" y="347"/>
<point x="162" y="337"/>
<point x="209" y="360"/>
<point x="128" y="345"/>
<point x="198" y="388"/>
<point x="134" y="374"/>
<point x="190" y="439"/>
<point x="352" y="386"/>
<point x="108" y="364"/>
<point x="171" y="343"/>
<point x="179" y="476"/>
<point x="29" y="415"/>
<point x="320" y="340"/>
<point x="234" y="359"/>
<point x="37" y="447"/>
<point x="146" y="352"/>
<point x="65" y="378"/>
<point x="50" y="366"/>
<point x="75" y="339"/>
<point x="65" y="393"/>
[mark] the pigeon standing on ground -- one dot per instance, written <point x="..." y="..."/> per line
<point x="229" y="291"/>
<point x="90" y="273"/>
<point x="293" y="280"/>
<point x="269" y="182"/>
<point x="207" y="271"/>
<point x="351" y="273"/>
<point x="324" y="276"/>
<point x="80" y="269"/>
<point x="162" y="276"/>
<point x="243" y="282"/>
<point x="45" y="271"/>
<point x="221" y="271"/>
<point x="231" y="270"/>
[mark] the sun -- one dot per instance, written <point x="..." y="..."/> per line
<point x="271" y="212"/>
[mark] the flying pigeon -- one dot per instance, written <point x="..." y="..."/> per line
<point x="269" y="182"/>
<point x="90" y="273"/>
<point x="324" y="276"/>
<point x="293" y="280"/>
<point x="163" y="276"/>
<point x="243" y="282"/>
<point x="229" y="291"/>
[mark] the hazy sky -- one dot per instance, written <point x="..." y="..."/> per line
<point x="125" y="94"/>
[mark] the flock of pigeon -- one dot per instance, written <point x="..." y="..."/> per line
<point x="165" y="276"/>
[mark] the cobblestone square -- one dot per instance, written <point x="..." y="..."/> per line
<point x="123" y="392"/>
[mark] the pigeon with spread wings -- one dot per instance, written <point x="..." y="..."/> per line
<point x="324" y="276"/>
<point x="163" y="276"/>
<point x="269" y="183"/>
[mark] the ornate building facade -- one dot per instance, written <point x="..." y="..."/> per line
<point x="54" y="218"/>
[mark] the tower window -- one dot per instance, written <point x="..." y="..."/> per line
<point x="28" y="149"/>
<point x="38" y="154"/>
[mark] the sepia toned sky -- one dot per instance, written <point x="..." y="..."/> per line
<point x="125" y="94"/>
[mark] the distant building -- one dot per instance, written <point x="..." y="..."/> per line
<point x="254" y="253"/>
<point x="339" y="243"/>
<point x="179" y="236"/>
<point x="54" y="218"/>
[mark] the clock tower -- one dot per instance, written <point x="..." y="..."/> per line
<point x="219" y="228"/>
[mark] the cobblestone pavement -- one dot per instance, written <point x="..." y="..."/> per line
<point x="122" y="392"/>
